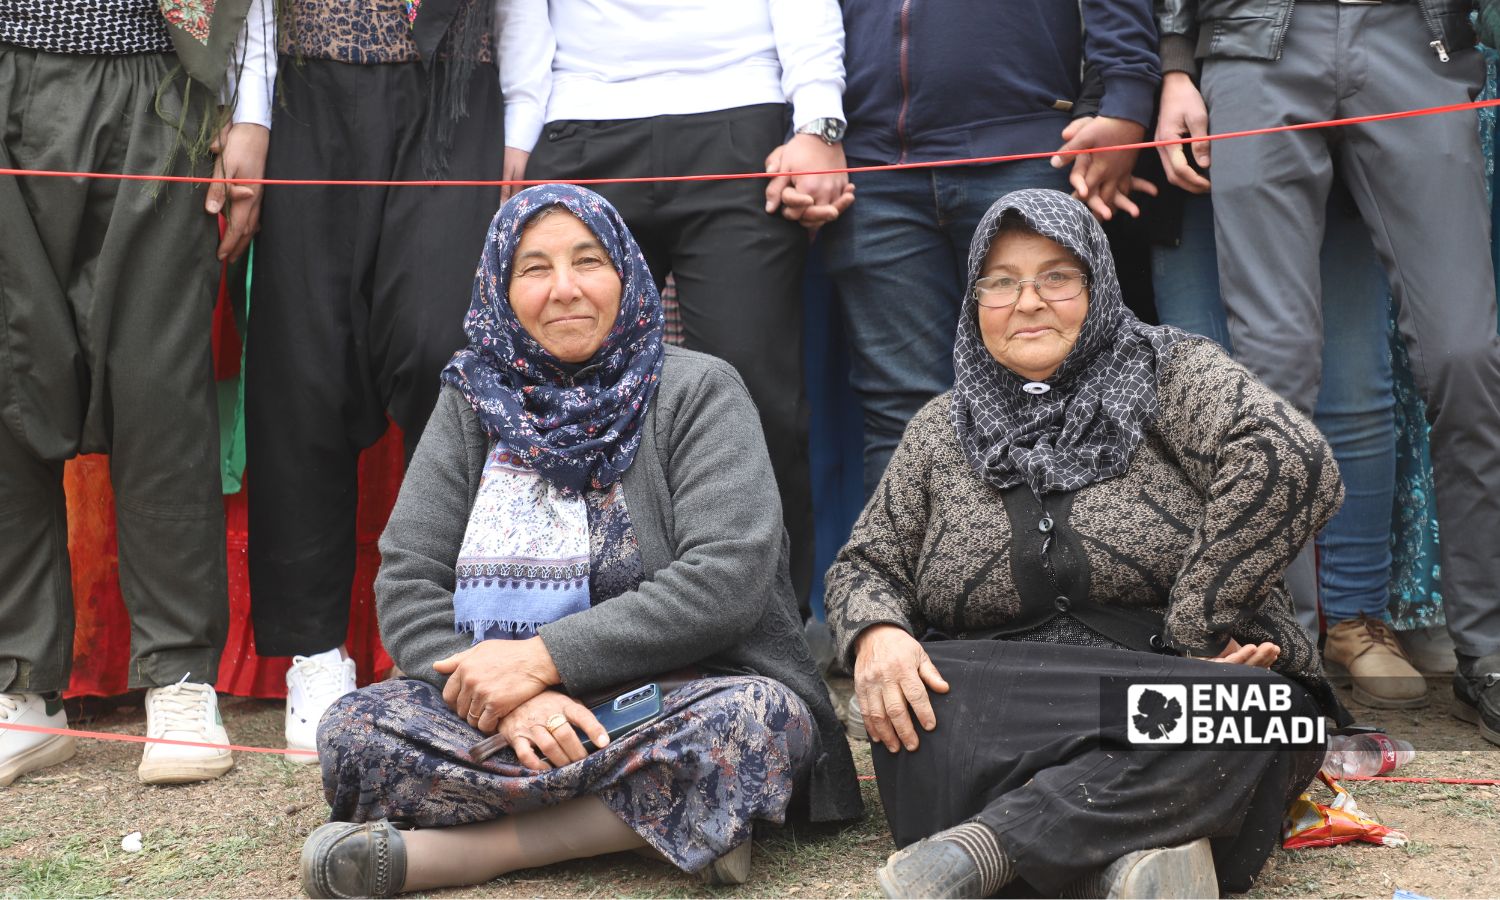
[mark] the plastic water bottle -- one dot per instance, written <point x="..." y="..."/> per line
<point x="1366" y="754"/>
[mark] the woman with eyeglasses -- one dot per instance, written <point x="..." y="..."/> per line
<point x="1096" y="502"/>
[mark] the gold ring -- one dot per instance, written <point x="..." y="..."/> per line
<point x="557" y="722"/>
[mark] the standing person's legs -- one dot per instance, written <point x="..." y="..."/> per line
<point x="1186" y="277"/>
<point x="310" y="400"/>
<point x="43" y="382"/>
<point x="899" y="257"/>
<point x="739" y="287"/>
<point x="1420" y="186"/>
<point x="1354" y="412"/>
<point x="1270" y="195"/>
<point x="138" y="278"/>
<point x="154" y="288"/>
<point x="431" y="240"/>
<point x="897" y="288"/>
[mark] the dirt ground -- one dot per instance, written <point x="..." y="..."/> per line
<point x="60" y="829"/>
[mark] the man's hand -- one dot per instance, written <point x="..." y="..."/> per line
<point x="1103" y="180"/>
<point x="1183" y="115"/>
<point x="490" y="679"/>
<point x="812" y="200"/>
<point x="891" y="677"/>
<point x="1259" y="655"/>
<point x="539" y="747"/>
<point x="240" y="152"/>
<point x="513" y="169"/>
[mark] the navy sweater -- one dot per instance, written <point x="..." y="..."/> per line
<point x="954" y="79"/>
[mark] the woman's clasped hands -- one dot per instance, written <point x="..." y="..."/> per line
<point x="505" y="687"/>
<point x="892" y="675"/>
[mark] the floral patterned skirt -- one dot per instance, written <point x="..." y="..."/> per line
<point x="728" y="751"/>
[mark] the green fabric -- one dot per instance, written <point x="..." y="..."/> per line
<point x="232" y="397"/>
<point x="203" y="34"/>
<point x="1487" y="24"/>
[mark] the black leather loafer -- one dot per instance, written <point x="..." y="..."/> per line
<point x="345" y="859"/>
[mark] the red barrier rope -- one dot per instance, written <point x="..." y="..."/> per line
<point x="978" y="160"/>
<point x="139" y="739"/>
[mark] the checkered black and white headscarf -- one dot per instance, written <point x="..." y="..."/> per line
<point x="1088" y="425"/>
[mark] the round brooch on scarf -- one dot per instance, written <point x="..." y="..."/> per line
<point x="1036" y="387"/>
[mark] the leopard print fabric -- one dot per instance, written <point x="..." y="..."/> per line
<point x="1225" y="488"/>
<point x="360" y="32"/>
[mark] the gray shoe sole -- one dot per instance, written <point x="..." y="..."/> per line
<point x="1463" y="712"/>
<point x="935" y="879"/>
<point x="1185" y="871"/>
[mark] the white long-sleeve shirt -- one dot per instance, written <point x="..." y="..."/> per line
<point x="627" y="59"/>
<point x="251" y="87"/>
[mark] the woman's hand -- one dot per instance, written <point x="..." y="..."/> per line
<point x="540" y="747"/>
<point x="891" y="676"/>
<point x="492" y="678"/>
<point x="1259" y="655"/>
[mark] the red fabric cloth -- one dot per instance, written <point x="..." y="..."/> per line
<point x="101" y="639"/>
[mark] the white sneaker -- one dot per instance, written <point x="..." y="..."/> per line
<point x="184" y="712"/>
<point x="23" y="751"/>
<point x="312" y="684"/>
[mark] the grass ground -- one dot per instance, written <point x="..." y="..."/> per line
<point x="60" y="830"/>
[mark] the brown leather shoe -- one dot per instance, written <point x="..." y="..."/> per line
<point x="1368" y="651"/>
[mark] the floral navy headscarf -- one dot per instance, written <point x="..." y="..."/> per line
<point x="559" y="431"/>
<point x="582" y="432"/>
<point x="1085" y="422"/>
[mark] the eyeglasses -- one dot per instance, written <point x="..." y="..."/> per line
<point x="1053" y="286"/>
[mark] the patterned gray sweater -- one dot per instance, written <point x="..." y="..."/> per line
<point x="1228" y="486"/>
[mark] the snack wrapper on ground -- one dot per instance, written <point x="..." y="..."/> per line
<point x="1312" y="824"/>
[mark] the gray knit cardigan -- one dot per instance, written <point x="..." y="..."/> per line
<point x="707" y="516"/>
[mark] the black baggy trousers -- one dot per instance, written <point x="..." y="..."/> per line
<point x="357" y="302"/>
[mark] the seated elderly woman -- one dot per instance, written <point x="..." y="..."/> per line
<point x="1094" y="499"/>
<point x="586" y="508"/>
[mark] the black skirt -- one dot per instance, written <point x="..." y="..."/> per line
<point x="1018" y="746"/>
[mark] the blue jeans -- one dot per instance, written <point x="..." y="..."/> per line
<point x="899" y="257"/>
<point x="1355" y="404"/>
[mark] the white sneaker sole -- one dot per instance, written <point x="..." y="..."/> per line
<point x="57" y="748"/>
<point x="184" y="771"/>
<point x="308" y="758"/>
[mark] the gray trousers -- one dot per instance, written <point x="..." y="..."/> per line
<point x="1419" y="184"/>
<point x="106" y="302"/>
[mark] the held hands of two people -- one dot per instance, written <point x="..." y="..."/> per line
<point x="1104" y="181"/>
<point x="239" y="152"/>
<point x="810" y="200"/>
<point x="892" y="675"/>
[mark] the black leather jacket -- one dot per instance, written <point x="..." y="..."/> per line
<point x="1256" y="29"/>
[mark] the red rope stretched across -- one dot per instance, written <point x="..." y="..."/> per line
<point x="139" y="739"/>
<point x="978" y="160"/>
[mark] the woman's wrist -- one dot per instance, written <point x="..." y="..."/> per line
<point x="539" y="664"/>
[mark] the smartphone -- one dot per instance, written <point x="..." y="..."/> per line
<point x="625" y="713"/>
